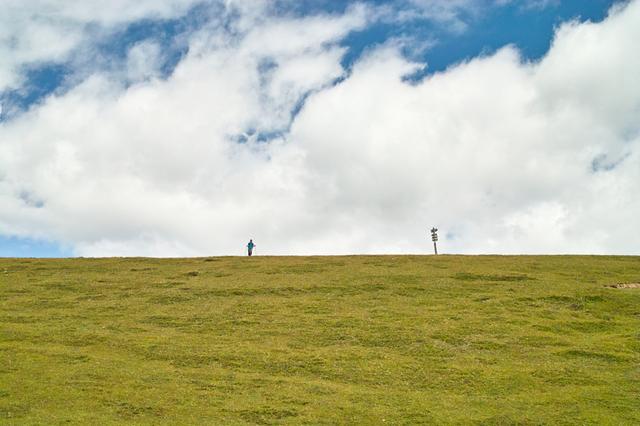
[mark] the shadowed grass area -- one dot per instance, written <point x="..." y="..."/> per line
<point x="290" y="340"/>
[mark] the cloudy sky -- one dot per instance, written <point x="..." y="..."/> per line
<point x="186" y="127"/>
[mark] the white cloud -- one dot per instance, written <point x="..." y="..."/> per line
<point x="451" y="14"/>
<point x="144" y="61"/>
<point x="111" y="161"/>
<point x="37" y="31"/>
<point x="529" y="4"/>
<point x="498" y="153"/>
<point x="456" y="14"/>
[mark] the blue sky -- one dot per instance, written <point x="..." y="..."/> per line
<point x="531" y="29"/>
<point x="436" y="36"/>
<point x="25" y="247"/>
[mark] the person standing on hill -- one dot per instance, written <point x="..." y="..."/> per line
<point x="250" y="247"/>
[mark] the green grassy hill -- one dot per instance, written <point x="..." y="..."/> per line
<point x="362" y="339"/>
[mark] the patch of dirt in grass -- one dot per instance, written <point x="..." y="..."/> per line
<point x="625" y="285"/>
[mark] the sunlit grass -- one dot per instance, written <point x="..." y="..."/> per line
<point x="363" y="339"/>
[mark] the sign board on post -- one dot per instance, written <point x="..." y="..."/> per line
<point x="434" y="238"/>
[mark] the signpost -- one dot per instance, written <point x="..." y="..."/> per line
<point x="434" y="238"/>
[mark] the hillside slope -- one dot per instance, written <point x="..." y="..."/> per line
<point x="355" y="339"/>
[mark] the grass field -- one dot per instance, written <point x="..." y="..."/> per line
<point x="320" y="340"/>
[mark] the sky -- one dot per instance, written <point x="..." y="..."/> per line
<point x="185" y="127"/>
